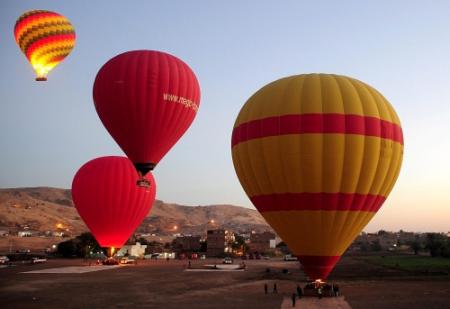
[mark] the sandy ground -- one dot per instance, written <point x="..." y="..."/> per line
<point x="313" y="303"/>
<point x="162" y="284"/>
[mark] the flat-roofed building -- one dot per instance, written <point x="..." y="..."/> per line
<point x="219" y="242"/>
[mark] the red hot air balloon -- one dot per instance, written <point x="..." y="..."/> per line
<point x="146" y="100"/>
<point x="108" y="201"/>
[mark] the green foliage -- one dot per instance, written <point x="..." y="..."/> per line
<point x="80" y="246"/>
<point x="416" y="246"/>
<point x="375" y="245"/>
<point x="411" y="262"/>
<point x="438" y="245"/>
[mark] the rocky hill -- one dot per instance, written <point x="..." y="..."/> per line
<point x="43" y="208"/>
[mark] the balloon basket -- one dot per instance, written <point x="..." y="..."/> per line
<point x="144" y="183"/>
<point x="41" y="79"/>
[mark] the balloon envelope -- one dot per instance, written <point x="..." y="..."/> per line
<point x="146" y="100"/>
<point x="317" y="155"/>
<point x="46" y="38"/>
<point x="109" y="202"/>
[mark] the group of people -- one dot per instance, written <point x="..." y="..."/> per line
<point x="321" y="290"/>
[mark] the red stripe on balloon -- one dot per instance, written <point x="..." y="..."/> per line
<point x="317" y="123"/>
<point x="318" y="267"/>
<point x="43" y="16"/>
<point x="318" y="201"/>
<point x="70" y="37"/>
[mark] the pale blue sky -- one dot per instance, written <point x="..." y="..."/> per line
<point x="402" y="48"/>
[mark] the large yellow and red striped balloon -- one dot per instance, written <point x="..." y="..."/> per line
<point x="317" y="154"/>
<point x="46" y="38"/>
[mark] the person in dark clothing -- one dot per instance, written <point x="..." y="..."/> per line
<point x="299" y="291"/>
<point x="336" y="290"/>
<point x="319" y="292"/>
<point x="294" y="296"/>
<point x="275" y="290"/>
<point x="265" y="288"/>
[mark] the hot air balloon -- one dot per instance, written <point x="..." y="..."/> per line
<point x="317" y="154"/>
<point x="108" y="201"/>
<point x="46" y="38"/>
<point x="146" y="100"/>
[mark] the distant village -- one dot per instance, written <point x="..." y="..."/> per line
<point x="219" y="242"/>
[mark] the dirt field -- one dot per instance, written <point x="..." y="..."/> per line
<point x="34" y="244"/>
<point x="162" y="284"/>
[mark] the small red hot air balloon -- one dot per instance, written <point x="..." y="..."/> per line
<point x="146" y="100"/>
<point x="108" y="201"/>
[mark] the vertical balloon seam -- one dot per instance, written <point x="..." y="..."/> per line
<point x="170" y="107"/>
<point x="163" y="68"/>
<point x="335" y="227"/>
<point x="121" y="176"/>
<point x="142" y="82"/>
<point x="284" y="100"/>
<point x="128" y="179"/>
<point x="361" y="217"/>
<point x="183" y="115"/>
<point x="369" y="213"/>
<point x="355" y="219"/>
<point x="344" y="107"/>
<point x="152" y="82"/>
<point x="245" y="157"/>
<point x="105" y="182"/>
<point x="386" y="191"/>
<point x="251" y="168"/>
<point x="116" y="175"/>
<point x="137" y="211"/>
<point x="267" y="179"/>
<point x="134" y="62"/>
<point x="382" y="180"/>
<point x="176" y="78"/>
<point x="151" y="96"/>
<point x="333" y="221"/>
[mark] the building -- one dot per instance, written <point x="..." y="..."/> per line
<point x="261" y="242"/>
<point x="26" y="233"/>
<point x="186" y="244"/>
<point x="219" y="242"/>
<point x="133" y="250"/>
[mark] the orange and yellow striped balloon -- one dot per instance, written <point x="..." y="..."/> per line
<point x="317" y="154"/>
<point x="46" y="38"/>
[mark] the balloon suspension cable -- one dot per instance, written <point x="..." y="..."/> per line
<point x="41" y="79"/>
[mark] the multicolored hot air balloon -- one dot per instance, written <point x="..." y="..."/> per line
<point x="146" y="100"/>
<point x="46" y="38"/>
<point x="105" y="195"/>
<point x="317" y="154"/>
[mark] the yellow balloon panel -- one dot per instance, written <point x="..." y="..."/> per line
<point x="316" y="93"/>
<point x="316" y="163"/>
<point x="318" y="233"/>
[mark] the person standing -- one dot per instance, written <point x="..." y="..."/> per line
<point x="294" y="296"/>
<point x="319" y="292"/>
<point x="336" y="290"/>
<point x="265" y="288"/>
<point x="275" y="289"/>
<point x="299" y="291"/>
